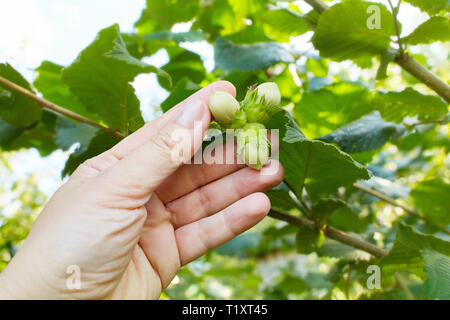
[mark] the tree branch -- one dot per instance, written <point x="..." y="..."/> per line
<point x="391" y="201"/>
<point x="424" y="75"/>
<point x="332" y="233"/>
<point x="387" y="199"/>
<point x="406" y="62"/>
<point x="57" y="109"/>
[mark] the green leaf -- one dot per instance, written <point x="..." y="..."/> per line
<point x="281" y="200"/>
<point x="251" y="34"/>
<point x="335" y="249"/>
<point x="323" y="111"/>
<point x="386" y="58"/>
<point x="39" y="135"/>
<point x="318" y="166"/>
<point x="431" y="7"/>
<point x="437" y="266"/>
<point x="49" y="133"/>
<point x="217" y="18"/>
<point x="182" y="90"/>
<point x="69" y="132"/>
<point x="229" y="57"/>
<point x="48" y="82"/>
<point x="319" y="67"/>
<point x="282" y="24"/>
<point x="394" y="106"/>
<point x="432" y="30"/>
<point x="100" y="78"/>
<point x="312" y="18"/>
<point x="325" y="207"/>
<point x="188" y="36"/>
<point x="140" y="46"/>
<point x="246" y="8"/>
<point x="343" y="31"/>
<point x="431" y="198"/>
<point x="101" y="142"/>
<point x="309" y="239"/>
<point x="163" y="14"/>
<point x="368" y="133"/>
<point x="8" y="132"/>
<point x="409" y="245"/>
<point x="239" y="245"/>
<point x="243" y="80"/>
<point x="15" y="108"/>
<point x="345" y="219"/>
<point x="183" y="64"/>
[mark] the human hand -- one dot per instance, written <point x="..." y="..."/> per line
<point x="132" y="216"/>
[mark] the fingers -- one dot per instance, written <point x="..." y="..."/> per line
<point x="142" y="135"/>
<point x="190" y="177"/>
<point x="141" y="171"/>
<point x="196" y="238"/>
<point x="217" y="164"/>
<point x="219" y="194"/>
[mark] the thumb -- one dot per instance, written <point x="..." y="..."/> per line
<point x="145" y="168"/>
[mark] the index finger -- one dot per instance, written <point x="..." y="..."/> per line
<point x="142" y="135"/>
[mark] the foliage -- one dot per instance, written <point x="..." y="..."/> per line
<point x="385" y="131"/>
<point x="21" y="201"/>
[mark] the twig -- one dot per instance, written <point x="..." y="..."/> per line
<point x="318" y="5"/>
<point x="347" y="282"/>
<point x="58" y="109"/>
<point x="301" y="205"/>
<point x="332" y="233"/>
<point x="406" y="62"/>
<point x="401" y="283"/>
<point x="438" y="122"/>
<point x="391" y="201"/>
<point x="397" y="28"/>
<point x="387" y="199"/>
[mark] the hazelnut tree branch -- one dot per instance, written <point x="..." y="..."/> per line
<point x="332" y="233"/>
<point x="57" y="109"/>
<point x="406" y="62"/>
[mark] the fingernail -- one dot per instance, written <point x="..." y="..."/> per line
<point x="191" y="112"/>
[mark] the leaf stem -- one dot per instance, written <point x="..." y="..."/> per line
<point x="401" y="283"/>
<point x="347" y="282"/>
<point x="397" y="27"/>
<point x="332" y="233"/>
<point x="438" y="122"/>
<point x="57" y="109"/>
<point x="301" y="205"/>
